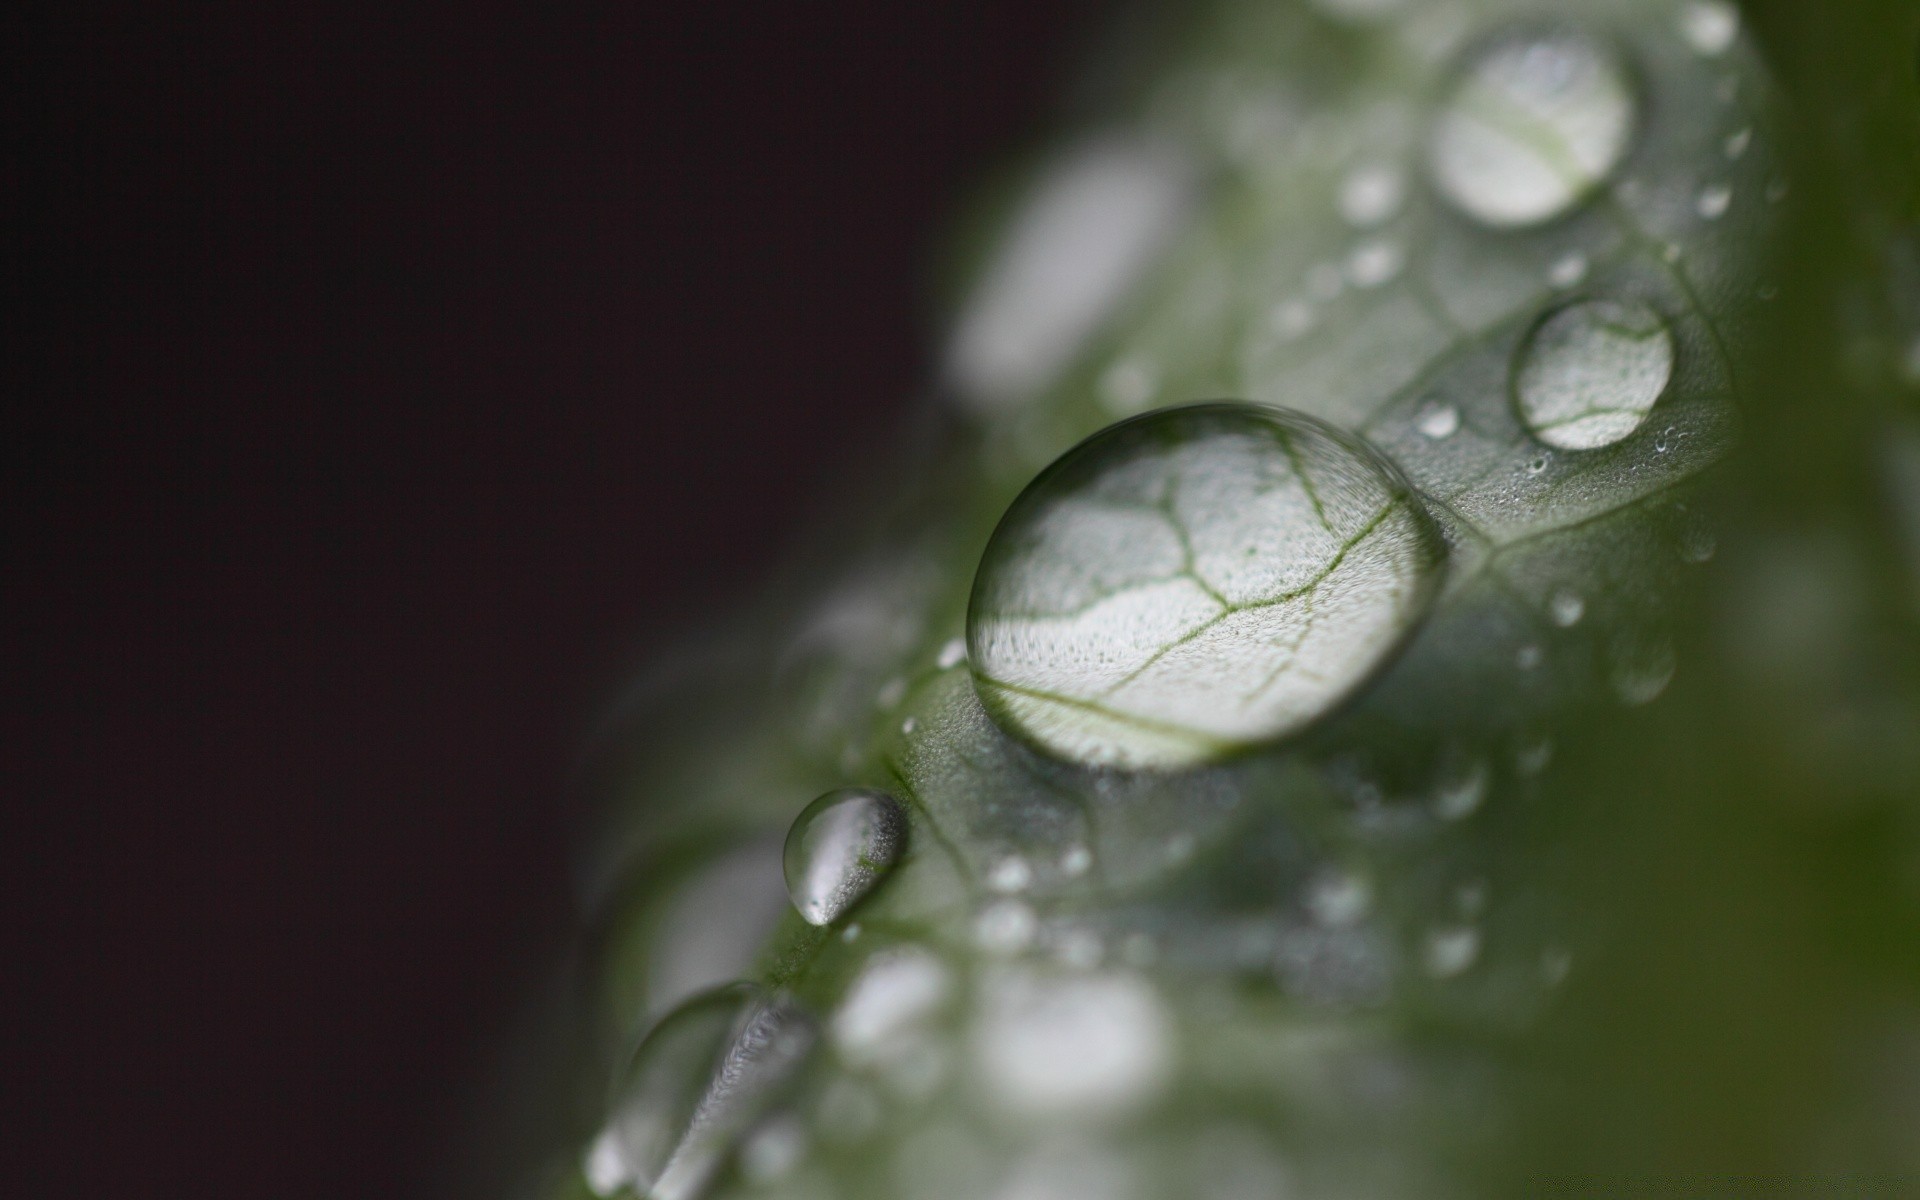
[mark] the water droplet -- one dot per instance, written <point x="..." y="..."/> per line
<point x="1461" y="790"/>
<point x="1532" y="757"/>
<point x="1736" y="144"/>
<point x="1438" y="421"/>
<point x="1776" y="191"/>
<point x="840" y="846"/>
<point x="1338" y="900"/>
<point x="1710" y="26"/>
<point x="953" y="652"/>
<point x="1076" y="861"/>
<point x="1539" y="463"/>
<point x="909" y="725"/>
<point x="1642" y="668"/>
<point x="891" y="693"/>
<point x="773" y="1151"/>
<point x="1094" y="226"/>
<point x="1005" y="927"/>
<point x="1080" y="948"/>
<point x="1451" y="950"/>
<point x="851" y="933"/>
<point x="1075" y="1046"/>
<point x="895" y="991"/>
<point x="1470" y="898"/>
<point x="1566" y="608"/>
<point x="1372" y="194"/>
<point x="1529" y="657"/>
<point x="1555" y="963"/>
<point x="604" y="1169"/>
<point x="1194" y="581"/>
<point x="1568" y="270"/>
<point x="1696" y="542"/>
<point x="1672" y="252"/>
<point x="1292" y="319"/>
<point x="1590" y="371"/>
<point x="1713" y="201"/>
<point x="697" y="1082"/>
<point x="1534" y="124"/>
<point x="1011" y="874"/>
<point x="1374" y="263"/>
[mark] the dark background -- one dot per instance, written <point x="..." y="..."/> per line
<point x="377" y="383"/>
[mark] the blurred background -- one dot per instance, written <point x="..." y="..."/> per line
<point x="379" y="386"/>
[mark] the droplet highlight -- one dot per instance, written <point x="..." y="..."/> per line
<point x="1535" y="123"/>
<point x="840" y="846"/>
<point x="1589" y="372"/>
<point x="1196" y="581"/>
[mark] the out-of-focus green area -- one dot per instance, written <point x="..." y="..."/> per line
<point x="1608" y="883"/>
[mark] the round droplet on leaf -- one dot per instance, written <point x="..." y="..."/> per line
<point x="1537" y="120"/>
<point x="840" y="846"/>
<point x="1589" y="372"/>
<point x="1196" y="581"/>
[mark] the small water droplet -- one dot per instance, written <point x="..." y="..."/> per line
<point x="953" y="652"/>
<point x="1010" y="874"/>
<point x="1461" y="790"/>
<point x="1529" y="657"/>
<point x="1438" y="421"/>
<point x="1567" y="608"/>
<point x="1451" y="950"/>
<point x="1470" y="898"/>
<point x="1532" y="757"/>
<point x="1672" y="252"/>
<point x="891" y="693"/>
<point x="1534" y="124"/>
<point x="773" y="1151"/>
<point x="895" y="991"/>
<point x="1076" y="861"/>
<point x="1710" y="26"/>
<point x="1004" y="927"/>
<point x="1736" y="144"/>
<point x="1338" y="899"/>
<point x="1568" y="270"/>
<point x="1193" y="581"/>
<point x="909" y="725"/>
<point x="1374" y="263"/>
<point x="1292" y="319"/>
<point x="604" y="1169"/>
<point x="1713" y="201"/>
<point x="1074" y="1045"/>
<point x="851" y="933"/>
<point x="1776" y="191"/>
<point x="1642" y="668"/>
<point x="1370" y="195"/>
<point x="1080" y="948"/>
<point x="840" y="846"/>
<point x="1590" y="372"/>
<point x="698" y="1081"/>
<point x="1539" y="463"/>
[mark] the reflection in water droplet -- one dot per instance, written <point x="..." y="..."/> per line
<point x="1713" y="201"/>
<point x="1371" y="195"/>
<point x="1195" y="581"/>
<point x="1451" y="950"/>
<point x="1566" y="608"/>
<point x="840" y="846"/>
<point x="1710" y="26"/>
<point x="1642" y="668"/>
<point x="1535" y="123"/>
<point x="698" y="1081"/>
<point x="1439" y="422"/>
<point x="1461" y="790"/>
<point x="1568" y="270"/>
<point x="1589" y="372"/>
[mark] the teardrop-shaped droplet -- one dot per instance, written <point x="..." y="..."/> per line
<point x="1195" y="581"/>
<point x="696" y="1083"/>
<point x="1536" y="121"/>
<point x="840" y="846"/>
<point x="1589" y="372"/>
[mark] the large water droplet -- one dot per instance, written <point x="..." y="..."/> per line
<point x="839" y="847"/>
<point x="1589" y="372"/>
<point x="695" y="1084"/>
<point x="1195" y="581"/>
<point x="1534" y="124"/>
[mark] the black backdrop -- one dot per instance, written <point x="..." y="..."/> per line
<point x="377" y="380"/>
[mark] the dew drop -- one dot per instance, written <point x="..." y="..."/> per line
<point x="1534" y="124"/>
<point x="1532" y="757"/>
<point x="1004" y="927"/>
<point x="952" y="654"/>
<point x="1566" y="608"/>
<point x="1568" y="270"/>
<point x="840" y="846"/>
<point x="1074" y="1046"/>
<point x="1641" y="669"/>
<point x="1529" y="657"/>
<point x="1713" y="201"/>
<point x="1450" y="951"/>
<point x="697" y="1082"/>
<point x="1195" y="581"/>
<point x="1438" y="421"/>
<point x="1076" y="861"/>
<point x="773" y="1151"/>
<point x="1737" y="143"/>
<point x="1710" y="26"/>
<point x="895" y="991"/>
<point x="1293" y="319"/>
<point x="1371" y="195"/>
<point x="1590" y="371"/>
<point x="1339" y="900"/>
<point x="1127" y="386"/>
<point x="1374" y="263"/>
<point x="1461" y="791"/>
<point x="1010" y="874"/>
<point x="1776" y="191"/>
